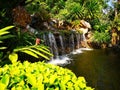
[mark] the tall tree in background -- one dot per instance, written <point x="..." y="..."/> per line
<point x="114" y="15"/>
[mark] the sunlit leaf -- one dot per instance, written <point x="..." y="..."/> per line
<point x="13" y="57"/>
<point x="31" y="79"/>
<point x="38" y="53"/>
<point x="2" y="86"/>
<point x="6" y="28"/>
<point x="30" y="53"/>
<point x="2" y="48"/>
<point x="5" y="80"/>
<point x="3" y="33"/>
<point x="44" y="51"/>
<point x="6" y="36"/>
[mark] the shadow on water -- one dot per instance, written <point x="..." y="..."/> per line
<point x="100" y="68"/>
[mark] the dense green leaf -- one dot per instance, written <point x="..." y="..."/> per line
<point x="39" y="76"/>
<point x="2" y="86"/>
<point x="13" y="57"/>
<point x="5" y="80"/>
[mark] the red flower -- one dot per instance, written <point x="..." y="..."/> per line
<point x="37" y="41"/>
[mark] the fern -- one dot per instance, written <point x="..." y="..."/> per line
<point x="4" y="34"/>
<point x="35" y="51"/>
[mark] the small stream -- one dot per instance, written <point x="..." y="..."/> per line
<point x="101" y="68"/>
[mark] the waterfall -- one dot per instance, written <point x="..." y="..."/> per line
<point x="72" y="43"/>
<point x="53" y="45"/>
<point x="78" y="40"/>
<point x="62" y="45"/>
<point x="44" y="39"/>
<point x="32" y="30"/>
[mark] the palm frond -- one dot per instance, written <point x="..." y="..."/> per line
<point x="4" y="34"/>
<point x="35" y="51"/>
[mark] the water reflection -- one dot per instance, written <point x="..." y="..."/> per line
<point x="101" y="69"/>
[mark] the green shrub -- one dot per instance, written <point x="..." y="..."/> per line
<point x="39" y="76"/>
<point x="20" y="46"/>
<point x="101" y="37"/>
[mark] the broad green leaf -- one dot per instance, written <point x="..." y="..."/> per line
<point x="82" y="82"/>
<point x="5" y="80"/>
<point x="76" y="87"/>
<point x="2" y="86"/>
<point x="30" y="53"/>
<point x="62" y="86"/>
<point x="18" y="88"/>
<point x="13" y="88"/>
<point x="52" y="79"/>
<point x="31" y="79"/>
<point x="13" y="57"/>
<point x="40" y="86"/>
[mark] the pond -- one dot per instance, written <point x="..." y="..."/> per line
<point x="101" y="68"/>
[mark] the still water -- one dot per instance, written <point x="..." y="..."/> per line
<point x="101" y="68"/>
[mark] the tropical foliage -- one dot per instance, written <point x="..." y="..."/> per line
<point x="39" y="76"/>
<point x="4" y="34"/>
<point x="33" y="50"/>
<point x="101" y="37"/>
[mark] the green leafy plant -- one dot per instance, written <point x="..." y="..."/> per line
<point x="39" y="76"/>
<point x="36" y="51"/>
<point x="4" y="34"/>
<point x="101" y="37"/>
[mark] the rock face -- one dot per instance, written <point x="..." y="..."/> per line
<point x="62" y="43"/>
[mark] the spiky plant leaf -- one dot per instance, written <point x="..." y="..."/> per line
<point x="1" y="48"/>
<point x="3" y="33"/>
<point x="6" y="36"/>
<point x="30" y="53"/>
<point x="6" y="28"/>
<point x="42" y="50"/>
<point x="38" y="53"/>
<point x="35" y="51"/>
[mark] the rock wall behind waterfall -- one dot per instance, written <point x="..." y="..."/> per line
<point x="62" y="43"/>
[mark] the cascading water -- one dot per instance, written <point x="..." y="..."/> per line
<point x="72" y="43"/>
<point x="60" y="43"/>
<point x="53" y="45"/>
<point x="44" y="39"/>
<point x="78" y="40"/>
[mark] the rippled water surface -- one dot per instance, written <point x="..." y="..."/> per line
<point x="100" y="68"/>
